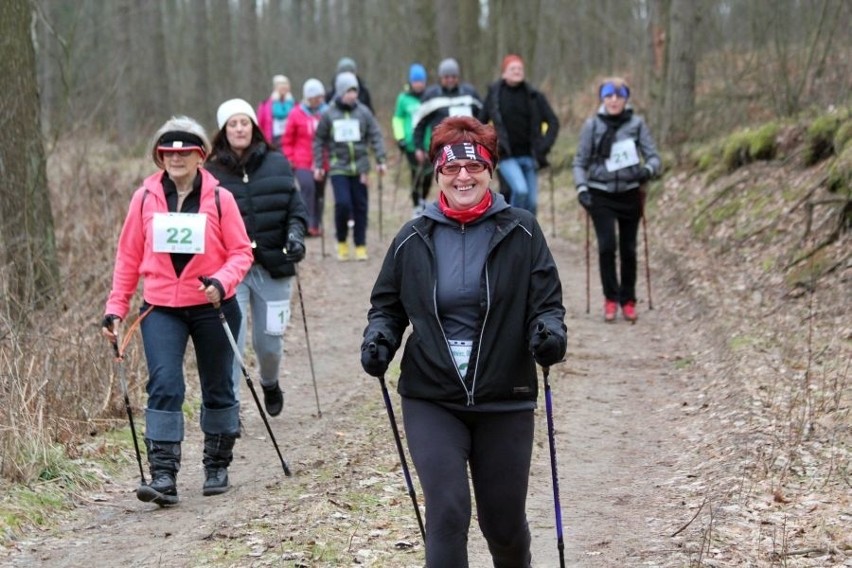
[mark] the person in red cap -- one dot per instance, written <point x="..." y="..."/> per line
<point x="181" y="227"/>
<point x="526" y="127"/>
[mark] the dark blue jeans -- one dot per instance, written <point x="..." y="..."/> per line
<point x="623" y="211"/>
<point x="497" y="446"/>
<point x="165" y="334"/>
<point x="350" y="202"/>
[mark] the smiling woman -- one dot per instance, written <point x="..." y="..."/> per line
<point x="476" y="280"/>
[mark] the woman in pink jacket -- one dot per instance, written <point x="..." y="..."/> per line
<point x="182" y="226"/>
<point x="296" y="144"/>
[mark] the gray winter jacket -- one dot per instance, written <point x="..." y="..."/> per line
<point x="347" y="156"/>
<point x="590" y="169"/>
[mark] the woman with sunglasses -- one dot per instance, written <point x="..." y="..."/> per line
<point x="478" y="284"/>
<point x="615" y="157"/>
<point x="181" y="227"/>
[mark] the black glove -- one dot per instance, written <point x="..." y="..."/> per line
<point x="644" y="175"/>
<point x="402" y="145"/>
<point x="585" y="199"/>
<point x="109" y="321"/>
<point x="295" y="251"/>
<point x="375" y="358"/>
<point x="546" y="347"/>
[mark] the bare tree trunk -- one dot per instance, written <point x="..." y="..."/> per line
<point x="123" y="104"/>
<point x="680" y="76"/>
<point x="27" y="236"/>
<point x="152" y="66"/>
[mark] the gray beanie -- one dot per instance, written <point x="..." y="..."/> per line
<point x="448" y="66"/>
<point x="345" y="81"/>
<point x="312" y="88"/>
<point x="347" y="64"/>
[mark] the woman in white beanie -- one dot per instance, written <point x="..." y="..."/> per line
<point x="296" y="144"/>
<point x="212" y="244"/>
<point x="275" y="219"/>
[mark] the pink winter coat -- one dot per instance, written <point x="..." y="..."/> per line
<point x="298" y="138"/>
<point x="264" y="118"/>
<point x="227" y="250"/>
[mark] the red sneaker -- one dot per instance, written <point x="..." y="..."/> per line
<point x="629" y="311"/>
<point x="610" y="310"/>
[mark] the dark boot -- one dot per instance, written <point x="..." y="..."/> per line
<point x="164" y="462"/>
<point x="218" y="453"/>
<point x="273" y="399"/>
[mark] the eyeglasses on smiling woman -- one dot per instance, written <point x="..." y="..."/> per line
<point x="452" y="169"/>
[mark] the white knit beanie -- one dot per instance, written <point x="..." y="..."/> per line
<point x="312" y="88"/>
<point x="230" y="108"/>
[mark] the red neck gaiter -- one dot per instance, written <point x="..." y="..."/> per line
<point x="467" y="215"/>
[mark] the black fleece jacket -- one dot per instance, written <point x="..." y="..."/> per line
<point x="520" y="286"/>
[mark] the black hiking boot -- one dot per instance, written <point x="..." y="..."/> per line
<point x="273" y="399"/>
<point x="218" y="453"/>
<point x="164" y="463"/>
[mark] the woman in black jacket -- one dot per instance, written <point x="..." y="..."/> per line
<point x="276" y="221"/>
<point x="476" y="280"/>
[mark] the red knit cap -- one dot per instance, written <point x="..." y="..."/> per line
<point x="511" y="58"/>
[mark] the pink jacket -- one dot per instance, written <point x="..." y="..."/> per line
<point x="264" y="118"/>
<point x="227" y="257"/>
<point x="298" y="138"/>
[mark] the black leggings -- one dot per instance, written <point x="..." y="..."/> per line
<point x="498" y="448"/>
<point x="624" y="210"/>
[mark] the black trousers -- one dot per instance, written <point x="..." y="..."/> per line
<point x="616" y="217"/>
<point x="497" y="446"/>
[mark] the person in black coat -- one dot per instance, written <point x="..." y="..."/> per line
<point x="526" y="128"/>
<point x="478" y="284"/>
<point x="276" y="221"/>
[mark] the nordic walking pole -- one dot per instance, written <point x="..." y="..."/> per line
<point x="588" y="270"/>
<point x="396" y="180"/>
<point x="552" y="202"/>
<point x="238" y="357"/>
<point x="380" y="205"/>
<point x="399" y="449"/>
<point x="560" y="544"/>
<point x="119" y="359"/>
<point x="645" y="238"/>
<point x="543" y="332"/>
<point x="307" y="340"/>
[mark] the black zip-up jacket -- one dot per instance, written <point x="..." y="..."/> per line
<point x="540" y="113"/>
<point x="520" y="286"/>
<point x="271" y="206"/>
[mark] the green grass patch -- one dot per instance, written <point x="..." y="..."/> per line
<point x="819" y="138"/>
<point x="840" y="173"/>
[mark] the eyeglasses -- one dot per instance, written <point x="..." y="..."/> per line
<point x="452" y="169"/>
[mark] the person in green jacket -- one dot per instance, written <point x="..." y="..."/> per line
<point x="407" y="104"/>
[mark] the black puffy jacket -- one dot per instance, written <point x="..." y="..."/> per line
<point x="271" y="205"/>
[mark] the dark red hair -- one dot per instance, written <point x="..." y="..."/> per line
<point x="463" y="129"/>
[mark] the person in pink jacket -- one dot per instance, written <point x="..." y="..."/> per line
<point x="181" y="226"/>
<point x="297" y="146"/>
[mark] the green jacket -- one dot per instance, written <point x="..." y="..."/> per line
<point x="407" y="104"/>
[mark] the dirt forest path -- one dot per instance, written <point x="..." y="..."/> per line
<point x="617" y="411"/>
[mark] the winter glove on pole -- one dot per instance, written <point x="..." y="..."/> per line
<point x="585" y="199"/>
<point x="546" y="347"/>
<point x="375" y="358"/>
<point x="295" y="250"/>
<point x="644" y="175"/>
